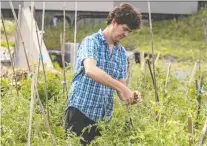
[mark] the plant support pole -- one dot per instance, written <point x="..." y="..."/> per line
<point x="167" y="77"/>
<point x="10" y="55"/>
<point x="190" y="130"/>
<point x="75" y="33"/>
<point x="203" y="135"/>
<point x="21" y="37"/>
<point x="153" y="56"/>
<point x="41" y="59"/>
<point x="63" y="55"/>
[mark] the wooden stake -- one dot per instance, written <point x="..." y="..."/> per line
<point x="40" y="60"/>
<point x="203" y="135"/>
<point x="65" y="90"/>
<point x="16" y="58"/>
<point x="190" y="130"/>
<point x="21" y="37"/>
<point x="31" y="108"/>
<point x="75" y="33"/>
<point x="153" y="56"/>
<point x="191" y="77"/>
<point x="167" y="77"/>
<point x="157" y="58"/>
<point x="10" y="55"/>
<point x="142" y="61"/>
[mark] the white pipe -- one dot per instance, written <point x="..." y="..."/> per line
<point x="33" y="95"/>
<point x="43" y="23"/>
<point x="1" y="72"/>
<point x="75" y="32"/>
<point x="31" y="35"/>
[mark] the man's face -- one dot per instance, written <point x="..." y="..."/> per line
<point x="120" y="31"/>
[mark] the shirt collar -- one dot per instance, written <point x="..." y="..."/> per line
<point x="103" y="38"/>
<point x="101" y="35"/>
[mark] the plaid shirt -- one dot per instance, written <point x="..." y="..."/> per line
<point x="93" y="99"/>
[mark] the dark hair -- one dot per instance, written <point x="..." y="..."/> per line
<point x="125" y="14"/>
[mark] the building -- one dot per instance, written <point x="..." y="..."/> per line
<point x="95" y="11"/>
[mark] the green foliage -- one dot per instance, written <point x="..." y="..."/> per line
<point x="52" y="34"/>
<point x="130" y="125"/>
<point x="182" y="38"/>
<point x="9" y="25"/>
<point x="4" y="44"/>
<point x="15" y="114"/>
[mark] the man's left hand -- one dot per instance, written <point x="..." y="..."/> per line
<point x="137" y="97"/>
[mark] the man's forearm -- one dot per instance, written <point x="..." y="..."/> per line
<point x="102" y="77"/>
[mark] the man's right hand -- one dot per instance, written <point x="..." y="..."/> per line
<point x="126" y="95"/>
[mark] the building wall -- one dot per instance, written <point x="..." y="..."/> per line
<point x="166" y="7"/>
<point x="96" y="11"/>
<point x="98" y="5"/>
<point x="83" y="17"/>
<point x="5" y="4"/>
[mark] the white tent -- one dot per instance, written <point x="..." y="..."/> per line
<point x="33" y="51"/>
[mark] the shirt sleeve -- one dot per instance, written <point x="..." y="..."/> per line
<point x="124" y="65"/>
<point x="87" y="49"/>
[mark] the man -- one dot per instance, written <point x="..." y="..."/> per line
<point x="101" y="68"/>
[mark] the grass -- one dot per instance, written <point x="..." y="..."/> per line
<point x="181" y="38"/>
<point x="52" y="35"/>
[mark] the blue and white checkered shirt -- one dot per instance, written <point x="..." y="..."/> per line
<point x="93" y="99"/>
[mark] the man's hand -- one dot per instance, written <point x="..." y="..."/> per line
<point x="137" y="97"/>
<point x="126" y="95"/>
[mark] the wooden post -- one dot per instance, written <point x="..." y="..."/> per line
<point x="153" y="56"/>
<point x="167" y="76"/>
<point x="142" y="61"/>
<point x="191" y="77"/>
<point x="202" y="138"/>
<point x="157" y="58"/>
<point x="190" y="130"/>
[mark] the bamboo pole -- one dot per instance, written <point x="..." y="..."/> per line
<point x="167" y="77"/>
<point x="151" y="73"/>
<point x="157" y="58"/>
<point x="35" y="91"/>
<point x="16" y="58"/>
<point x="40" y="60"/>
<point x="63" y="55"/>
<point x="46" y="119"/>
<point x="191" y="77"/>
<point x="0" y="79"/>
<point x="21" y="37"/>
<point x="193" y="72"/>
<point x="205" y="30"/>
<point x="10" y="55"/>
<point x="145" y="72"/>
<point x="32" y="102"/>
<point x="203" y="135"/>
<point x="33" y="86"/>
<point x="31" y="35"/>
<point x="199" y="93"/>
<point x="33" y="83"/>
<point x="157" y="102"/>
<point x="190" y="130"/>
<point x="45" y="115"/>
<point x="142" y="61"/>
<point x="75" y="33"/>
<point x="153" y="56"/>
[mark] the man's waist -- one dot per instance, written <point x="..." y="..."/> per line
<point x="92" y="112"/>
